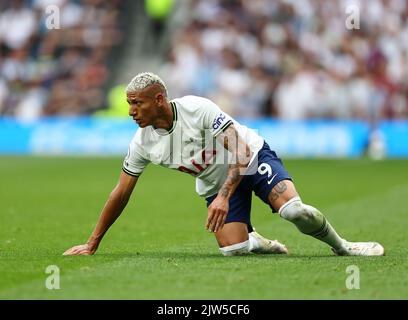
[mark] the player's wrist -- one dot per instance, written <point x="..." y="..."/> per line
<point x="224" y="196"/>
<point x="93" y="243"/>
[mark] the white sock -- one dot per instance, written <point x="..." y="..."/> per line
<point x="253" y="243"/>
<point x="236" y="249"/>
<point x="310" y="221"/>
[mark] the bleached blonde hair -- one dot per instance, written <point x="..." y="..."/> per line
<point x="144" y="80"/>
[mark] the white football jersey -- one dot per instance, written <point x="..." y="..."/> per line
<point x="190" y="145"/>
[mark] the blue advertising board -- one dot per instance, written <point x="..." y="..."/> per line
<point x="111" y="136"/>
<point x="395" y="135"/>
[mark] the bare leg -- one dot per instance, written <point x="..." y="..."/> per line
<point x="234" y="239"/>
<point x="232" y="233"/>
<point x="282" y="193"/>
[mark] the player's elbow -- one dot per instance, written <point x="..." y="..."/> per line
<point x="244" y="158"/>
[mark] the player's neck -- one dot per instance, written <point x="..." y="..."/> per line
<point x="165" y="118"/>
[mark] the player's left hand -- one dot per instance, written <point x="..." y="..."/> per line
<point x="217" y="213"/>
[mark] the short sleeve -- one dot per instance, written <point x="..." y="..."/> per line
<point x="134" y="162"/>
<point x="214" y="118"/>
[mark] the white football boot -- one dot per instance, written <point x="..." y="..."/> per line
<point x="360" y="249"/>
<point x="268" y="246"/>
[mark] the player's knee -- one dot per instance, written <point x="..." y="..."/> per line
<point x="295" y="210"/>
<point x="236" y="249"/>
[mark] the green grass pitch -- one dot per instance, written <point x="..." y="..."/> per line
<point x="159" y="249"/>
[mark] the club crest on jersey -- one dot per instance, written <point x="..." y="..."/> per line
<point x="218" y="121"/>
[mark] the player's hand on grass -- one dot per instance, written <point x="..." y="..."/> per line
<point x="217" y="213"/>
<point x="83" y="249"/>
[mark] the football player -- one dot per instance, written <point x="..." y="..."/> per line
<point x="229" y="161"/>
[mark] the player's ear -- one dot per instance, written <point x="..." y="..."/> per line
<point x="159" y="98"/>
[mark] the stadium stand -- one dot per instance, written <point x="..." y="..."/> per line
<point x="289" y="59"/>
<point x="56" y="71"/>
<point x="294" y="59"/>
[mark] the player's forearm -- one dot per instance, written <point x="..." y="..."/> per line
<point x="113" y="208"/>
<point x="231" y="183"/>
<point x="235" y="174"/>
<point x="242" y="155"/>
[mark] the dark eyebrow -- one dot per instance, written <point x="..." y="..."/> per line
<point x="133" y="100"/>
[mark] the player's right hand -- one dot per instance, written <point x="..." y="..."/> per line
<point x="217" y="213"/>
<point x="83" y="249"/>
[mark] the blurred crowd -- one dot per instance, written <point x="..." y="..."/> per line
<point x="295" y="59"/>
<point x="53" y="55"/>
<point x="291" y="59"/>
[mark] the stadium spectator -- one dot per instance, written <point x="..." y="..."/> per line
<point x="158" y="12"/>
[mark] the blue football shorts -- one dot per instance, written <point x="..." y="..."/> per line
<point x="269" y="172"/>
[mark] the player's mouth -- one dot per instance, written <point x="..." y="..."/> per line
<point x="138" y="121"/>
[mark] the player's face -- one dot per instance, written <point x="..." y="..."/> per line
<point x="143" y="107"/>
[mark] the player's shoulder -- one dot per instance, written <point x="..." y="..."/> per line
<point x="191" y="99"/>
<point x="191" y="103"/>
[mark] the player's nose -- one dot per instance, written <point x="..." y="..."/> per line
<point x="132" y="112"/>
